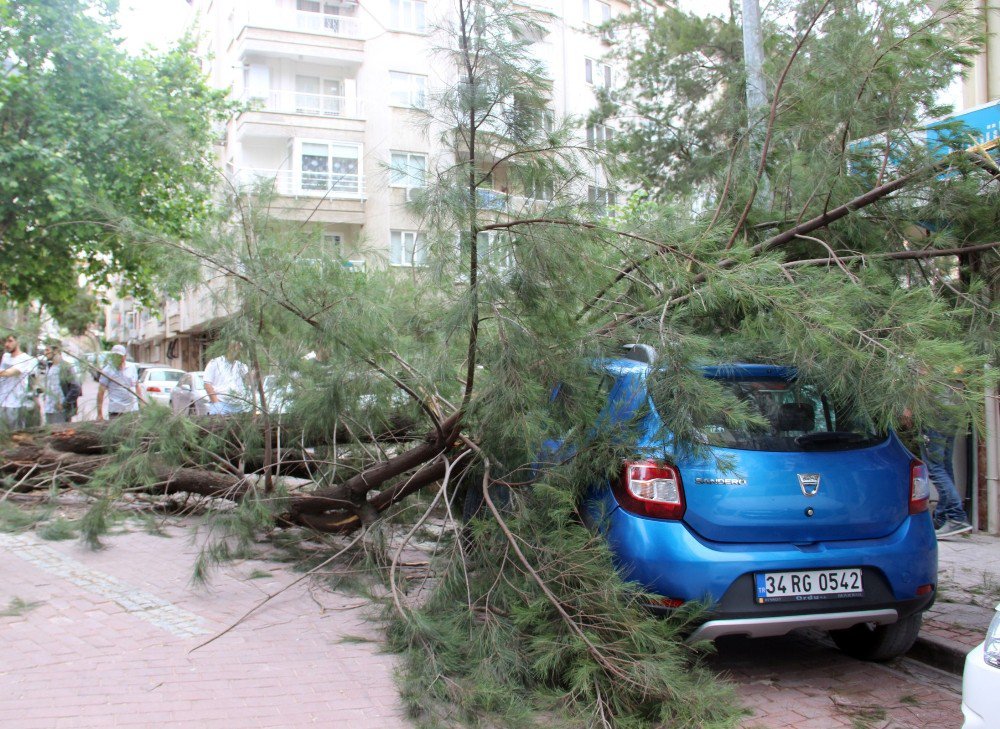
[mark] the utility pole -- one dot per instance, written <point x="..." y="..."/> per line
<point x="753" y="60"/>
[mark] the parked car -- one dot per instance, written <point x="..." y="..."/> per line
<point x="189" y="396"/>
<point x="816" y="521"/>
<point x="157" y="382"/>
<point x="981" y="680"/>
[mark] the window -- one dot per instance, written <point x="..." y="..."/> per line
<point x="333" y="244"/>
<point x="598" y="134"/>
<point x="330" y="167"/>
<point x="408" y="170"/>
<point x="408" y="15"/>
<point x="602" y="197"/>
<point x="495" y="248"/>
<point x="540" y="190"/>
<point x="314" y="95"/>
<point x="595" y="12"/>
<point x="406" y="248"/>
<point x="597" y="74"/>
<point x="331" y="17"/>
<point x="407" y="89"/>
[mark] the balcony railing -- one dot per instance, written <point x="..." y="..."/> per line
<point x="342" y="26"/>
<point x="297" y="102"/>
<point x="298" y="182"/>
<point x="488" y="199"/>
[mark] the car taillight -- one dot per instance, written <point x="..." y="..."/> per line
<point x="651" y="489"/>
<point x="920" y="487"/>
<point x="153" y="389"/>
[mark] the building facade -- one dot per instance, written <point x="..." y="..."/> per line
<point x="332" y="91"/>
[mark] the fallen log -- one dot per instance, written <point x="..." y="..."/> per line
<point x="76" y="452"/>
<point x="91" y="437"/>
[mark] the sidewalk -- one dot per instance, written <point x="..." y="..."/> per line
<point x="109" y="639"/>
<point x="968" y="592"/>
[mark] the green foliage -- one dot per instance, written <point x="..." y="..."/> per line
<point x="88" y="135"/>
<point x="79" y="313"/>
<point x="234" y="534"/>
<point x="15" y="519"/>
<point x="489" y="649"/>
<point x="58" y="529"/>
<point x="18" y="606"/>
<point x="865" y="69"/>
<point x="523" y="291"/>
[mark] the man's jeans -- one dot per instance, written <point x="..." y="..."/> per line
<point x="936" y="452"/>
<point x="225" y="408"/>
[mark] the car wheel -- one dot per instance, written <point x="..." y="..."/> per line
<point x="878" y="642"/>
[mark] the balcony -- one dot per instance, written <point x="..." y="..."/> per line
<point x="298" y="102"/>
<point x="300" y="34"/>
<point x="321" y="197"/>
<point x="271" y="113"/>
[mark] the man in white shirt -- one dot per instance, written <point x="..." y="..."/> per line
<point x="16" y="368"/>
<point x="226" y="383"/>
<point x="120" y="383"/>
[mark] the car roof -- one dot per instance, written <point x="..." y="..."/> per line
<point x="722" y="371"/>
<point x="150" y="367"/>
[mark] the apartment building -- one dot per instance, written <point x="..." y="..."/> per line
<point x="331" y="88"/>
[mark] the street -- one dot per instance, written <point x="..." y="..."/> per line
<point x="802" y="681"/>
<point x="295" y="660"/>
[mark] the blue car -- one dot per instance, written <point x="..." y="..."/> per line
<point x="811" y="522"/>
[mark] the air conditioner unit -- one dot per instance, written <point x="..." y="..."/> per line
<point x="412" y="193"/>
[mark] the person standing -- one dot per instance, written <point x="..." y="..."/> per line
<point x="15" y="374"/>
<point x="936" y="450"/>
<point x="61" y="386"/>
<point x="120" y="382"/>
<point x="226" y="383"/>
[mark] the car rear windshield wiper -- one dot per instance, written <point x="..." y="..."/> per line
<point x="822" y="437"/>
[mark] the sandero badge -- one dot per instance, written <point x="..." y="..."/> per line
<point x="860" y="561"/>
<point x="809" y="483"/>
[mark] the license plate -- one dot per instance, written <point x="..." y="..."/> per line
<point x="808" y="585"/>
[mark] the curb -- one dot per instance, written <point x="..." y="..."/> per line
<point x="939" y="653"/>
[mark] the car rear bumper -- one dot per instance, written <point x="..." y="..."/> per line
<point x="668" y="559"/>
<point x="780" y="625"/>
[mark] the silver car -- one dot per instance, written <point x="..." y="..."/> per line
<point x="189" y="396"/>
<point x="157" y="382"/>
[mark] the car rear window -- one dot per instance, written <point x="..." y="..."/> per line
<point x="164" y="376"/>
<point x="796" y="417"/>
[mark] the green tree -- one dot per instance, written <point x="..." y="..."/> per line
<point x="521" y="291"/>
<point x="850" y="84"/>
<point x="90" y="135"/>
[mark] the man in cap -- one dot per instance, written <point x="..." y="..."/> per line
<point x="119" y="381"/>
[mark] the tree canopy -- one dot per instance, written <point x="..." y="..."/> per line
<point x="850" y="274"/>
<point x="89" y="134"/>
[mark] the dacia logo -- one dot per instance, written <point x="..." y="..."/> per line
<point x="809" y="483"/>
<point x="722" y="481"/>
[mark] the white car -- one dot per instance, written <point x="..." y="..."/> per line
<point x="981" y="681"/>
<point x="189" y="396"/>
<point x="156" y="383"/>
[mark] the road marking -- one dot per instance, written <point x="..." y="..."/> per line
<point x="139" y="603"/>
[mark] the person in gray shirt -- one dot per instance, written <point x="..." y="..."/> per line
<point x="120" y="383"/>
